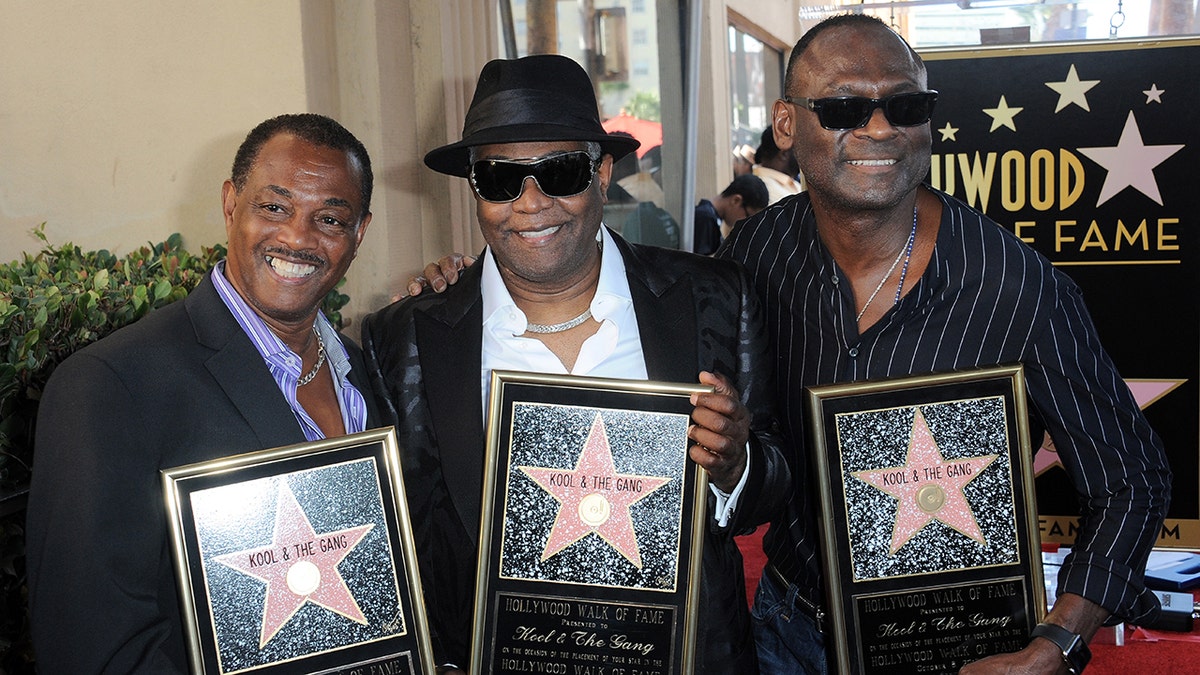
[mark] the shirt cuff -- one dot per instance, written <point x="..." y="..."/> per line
<point x="727" y="502"/>
<point x="1108" y="583"/>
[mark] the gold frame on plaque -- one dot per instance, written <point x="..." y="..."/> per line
<point x="298" y="559"/>
<point x="579" y="471"/>
<point x="929" y="521"/>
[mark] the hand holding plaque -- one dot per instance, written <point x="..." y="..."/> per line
<point x="721" y="431"/>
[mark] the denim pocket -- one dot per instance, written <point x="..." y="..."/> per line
<point x="769" y="603"/>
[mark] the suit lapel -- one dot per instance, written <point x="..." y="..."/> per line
<point x="238" y="369"/>
<point x="361" y="381"/>
<point x="450" y="343"/>
<point x="666" y="318"/>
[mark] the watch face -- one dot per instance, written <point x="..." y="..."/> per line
<point x="1077" y="654"/>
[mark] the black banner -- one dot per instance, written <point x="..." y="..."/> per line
<point x="1086" y="152"/>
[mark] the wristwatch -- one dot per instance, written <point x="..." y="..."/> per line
<point x="1074" y="649"/>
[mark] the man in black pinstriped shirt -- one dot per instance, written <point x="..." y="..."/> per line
<point x="871" y="274"/>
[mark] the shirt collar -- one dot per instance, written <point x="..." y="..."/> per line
<point x="268" y="344"/>
<point x="612" y="289"/>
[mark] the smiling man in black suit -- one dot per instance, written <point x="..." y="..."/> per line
<point x="556" y="292"/>
<point x="245" y="362"/>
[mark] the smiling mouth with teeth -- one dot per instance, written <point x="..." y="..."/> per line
<point x="872" y="162"/>
<point x="290" y="270"/>
<point x="539" y="233"/>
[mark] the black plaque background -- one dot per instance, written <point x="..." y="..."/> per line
<point x="618" y="613"/>
<point x="583" y="643"/>
<point x="935" y="628"/>
<point x="400" y="653"/>
<point x="858" y="644"/>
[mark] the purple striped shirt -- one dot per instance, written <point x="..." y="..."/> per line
<point x="285" y="365"/>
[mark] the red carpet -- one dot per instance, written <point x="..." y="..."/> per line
<point x="1157" y="652"/>
<point x="753" y="559"/>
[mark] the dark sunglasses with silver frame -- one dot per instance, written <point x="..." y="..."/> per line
<point x="840" y="113"/>
<point x="561" y="175"/>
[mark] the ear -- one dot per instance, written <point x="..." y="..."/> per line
<point x="604" y="176"/>
<point x="784" y="124"/>
<point x="228" y="204"/>
<point x="362" y="229"/>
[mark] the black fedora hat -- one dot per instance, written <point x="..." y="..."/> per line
<point x="545" y="97"/>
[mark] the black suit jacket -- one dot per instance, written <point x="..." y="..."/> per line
<point x="182" y="385"/>
<point x="424" y="353"/>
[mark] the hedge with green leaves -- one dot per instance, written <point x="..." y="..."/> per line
<point x="51" y="304"/>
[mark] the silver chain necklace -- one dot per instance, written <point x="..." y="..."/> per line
<point x="906" y="254"/>
<point x="320" y="360"/>
<point x="559" y="327"/>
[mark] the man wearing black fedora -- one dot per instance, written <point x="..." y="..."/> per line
<point x="556" y="292"/>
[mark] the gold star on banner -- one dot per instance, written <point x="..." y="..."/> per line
<point x="1002" y="115"/>
<point x="593" y="497"/>
<point x="948" y="132"/>
<point x="1131" y="163"/>
<point x="299" y="566"/>
<point x="1072" y="90"/>
<point x="928" y="487"/>
<point x="1154" y="94"/>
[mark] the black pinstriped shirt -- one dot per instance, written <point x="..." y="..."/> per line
<point x="985" y="299"/>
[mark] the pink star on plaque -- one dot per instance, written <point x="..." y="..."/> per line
<point x="593" y="497"/>
<point x="299" y="566"/>
<point x="928" y="487"/>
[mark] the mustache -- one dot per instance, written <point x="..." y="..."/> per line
<point x="279" y="251"/>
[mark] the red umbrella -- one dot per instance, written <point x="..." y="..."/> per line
<point x="649" y="133"/>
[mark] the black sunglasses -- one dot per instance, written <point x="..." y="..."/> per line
<point x="838" y="113"/>
<point x="563" y="175"/>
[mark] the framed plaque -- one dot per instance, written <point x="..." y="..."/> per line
<point x="299" y="560"/>
<point x="929" y="532"/>
<point x="592" y="528"/>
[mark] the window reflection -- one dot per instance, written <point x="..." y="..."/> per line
<point x="619" y="43"/>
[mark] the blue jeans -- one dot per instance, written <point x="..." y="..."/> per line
<point x="786" y="637"/>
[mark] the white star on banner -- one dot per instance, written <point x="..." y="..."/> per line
<point x="948" y="132"/>
<point x="1072" y="90"/>
<point x="1002" y="115"/>
<point x="1131" y="163"/>
<point x="1154" y="94"/>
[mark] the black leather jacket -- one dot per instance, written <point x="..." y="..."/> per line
<point x="424" y="353"/>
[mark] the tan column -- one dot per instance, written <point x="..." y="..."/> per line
<point x="1172" y="17"/>
<point x="541" y="17"/>
<point x="400" y="75"/>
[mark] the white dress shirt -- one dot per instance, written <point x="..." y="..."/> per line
<point x="615" y="350"/>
